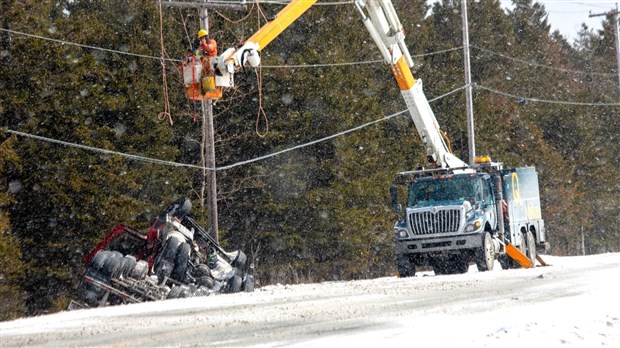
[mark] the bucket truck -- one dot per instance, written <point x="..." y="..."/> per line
<point x="454" y="213"/>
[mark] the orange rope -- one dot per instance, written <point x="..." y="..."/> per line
<point x="238" y="20"/>
<point x="259" y="79"/>
<point x="261" y="111"/>
<point x="166" y="113"/>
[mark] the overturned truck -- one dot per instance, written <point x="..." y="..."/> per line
<point x="175" y="258"/>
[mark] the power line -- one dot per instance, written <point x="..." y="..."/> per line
<point x="64" y="42"/>
<point x="96" y="149"/>
<point x="537" y="100"/>
<point x="309" y="65"/>
<point x="84" y="46"/>
<point x="176" y="164"/>
<point x="540" y="65"/>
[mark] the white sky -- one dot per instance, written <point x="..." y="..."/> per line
<point x="567" y="15"/>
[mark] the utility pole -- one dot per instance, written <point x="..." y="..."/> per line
<point x="207" y="153"/>
<point x="616" y="32"/>
<point x="469" y="107"/>
<point x="207" y="143"/>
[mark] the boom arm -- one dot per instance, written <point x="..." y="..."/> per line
<point x="385" y="28"/>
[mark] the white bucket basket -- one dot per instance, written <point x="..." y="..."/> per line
<point x="192" y="72"/>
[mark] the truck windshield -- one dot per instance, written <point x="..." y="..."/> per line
<point x="456" y="188"/>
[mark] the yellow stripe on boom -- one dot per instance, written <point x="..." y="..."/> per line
<point x="403" y="74"/>
<point x="283" y="19"/>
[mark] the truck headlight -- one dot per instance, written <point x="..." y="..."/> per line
<point x="400" y="233"/>
<point x="474" y="226"/>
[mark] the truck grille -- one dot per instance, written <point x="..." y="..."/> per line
<point x="442" y="221"/>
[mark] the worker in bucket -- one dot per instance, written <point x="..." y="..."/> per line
<point x="207" y="49"/>
<point x="206" y="45"/>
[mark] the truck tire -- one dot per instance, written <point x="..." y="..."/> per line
<point x="180" y="262"/>
<point x="167" y="254"/>
<point x="234" y="284"/>
<point x="405" y="267"/>
<point x="507" y="262"/>
<point x="140" y="270"/>
<point x="175" y="292"/>
<point x="531" y="247"/>
<point x="240" y="260"/>
<point x="485" y="256"/>
<point x="111" y="266"/>
<point x="202" y="270"/>
<point x="99" y="260"/>
<point x="248" y="283"/>
<point x="128" y="264"/>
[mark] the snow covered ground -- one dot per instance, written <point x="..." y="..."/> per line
<point x="573" y="303"/>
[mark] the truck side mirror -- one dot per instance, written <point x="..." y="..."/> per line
<point x="396" y="207"/>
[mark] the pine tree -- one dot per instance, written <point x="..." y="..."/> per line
<point x="11" y="266"/>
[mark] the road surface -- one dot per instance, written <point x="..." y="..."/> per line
<point x="572" y="299"/>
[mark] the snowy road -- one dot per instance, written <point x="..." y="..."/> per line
<point x="572" y="303"/>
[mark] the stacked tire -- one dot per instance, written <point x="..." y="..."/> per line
<point x="113" y="265"/>
<point x="172" y="260"/>
<point x="105" y="266"/>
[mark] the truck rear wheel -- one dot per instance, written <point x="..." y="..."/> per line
<point x="234" y="284"/>
<point x="164" y="262"/>
<point x="485" y="256"/>
<point x="140" y="270"/>
<point x="531" y="247"/>
<point x="406" y="268"/>
<point x="128" y="264"/>
<point x="99" y="260"/>
<point x="180" y="262"/>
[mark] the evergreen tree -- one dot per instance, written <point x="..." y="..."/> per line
<point x="11" y="266"/>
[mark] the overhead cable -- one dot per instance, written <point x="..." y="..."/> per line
<point x="84" y="46"/>
<point x="541" y="65"/>
<point x="176" y="164"/>
<point x="109" y="152"/>
<point x="537" y="100"/>
<point x="64" y="42"/>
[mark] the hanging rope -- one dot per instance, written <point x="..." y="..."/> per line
<point x="261" y="111"/>
<point x="259" y="78"/>
<point x="166" y="113"/>
<point x="238" y="20"/>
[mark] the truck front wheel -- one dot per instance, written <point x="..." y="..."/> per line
<point x="405" y="267"/>
<point x="485" y="256"/>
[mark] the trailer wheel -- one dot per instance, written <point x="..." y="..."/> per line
<point x="140" y="270"/>
<point x="166" y="255"/>
<point x="531" y="247"/>
<point x="180" y="262"/>
<point x="240" y="260"/>
<point x="485" y="256"/>
<point x="175" y="292"/>
<point x="111" y="266"/>
<point x="234" y="284"/>
<point x="405" y="267"/>
<point x="99" y="260"/>
<point x="129" y="263"/>
<point x="248" y="283"/>
<point x="202" y="270"/>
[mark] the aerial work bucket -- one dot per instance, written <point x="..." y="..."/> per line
<point x="192" y="72"/>
<point x="208" y="83"/>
